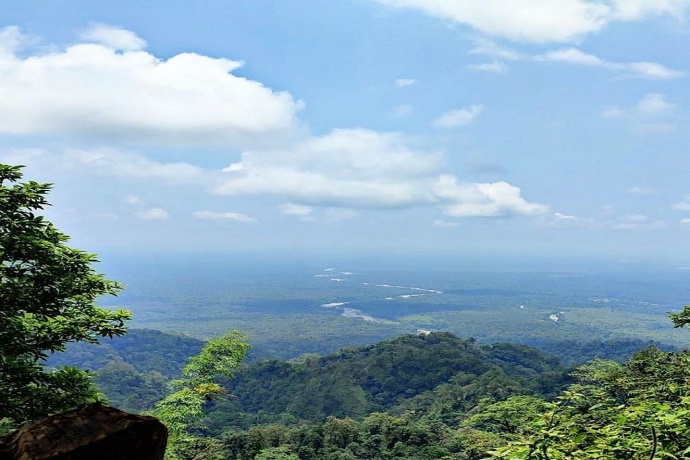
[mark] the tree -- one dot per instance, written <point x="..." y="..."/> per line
<point x="639" y="410"/>
<point x="47" y="299"/>
<point x="183" y="410"/>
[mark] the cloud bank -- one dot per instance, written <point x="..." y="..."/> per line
<point x="359" y="168"/>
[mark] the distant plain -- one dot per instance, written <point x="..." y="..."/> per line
<point x="292" y="306"/>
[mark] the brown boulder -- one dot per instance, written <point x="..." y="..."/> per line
<point x="94" y="432"/>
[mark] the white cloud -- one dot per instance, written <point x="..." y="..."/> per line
<point x="653" y="104"/>
<point x="560" y="216"/>
<point x="612" y="112"/>
<point x="542" y="20"/>
<point x="113" y="37"/>
<point x="403" y="82"/>
<point x="133" y="199"/>
<point x="153" y="214"/>
<point x="292" y="209"/>
<point x="484" y="46"/>
<point x="112" y="90"/>
<point x="648" y="116"/>
<point x="234" y="216"/>
<point x="649" y="70"/>
<point x="641" y="226"/>
<point x="444" y="224"/>
<point x="346" y="167"/>
<point x="358" y="168"/>
<point x="681" y="206"/>
<point x="572" y="56"/>
<point x="495" y="67"/>
<point x="641" y="190"/>
<point x="459" y="117"/>
<point x="113" y="162"/>
<point x="636" y="9"/>
<point x="11" y="39"/>
<point x="110" y="162"/>
<point x="484" y="199"/>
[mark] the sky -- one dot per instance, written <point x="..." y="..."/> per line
<point x="502" y="128"/>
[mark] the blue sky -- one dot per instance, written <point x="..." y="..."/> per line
<point x="518" y="128"/>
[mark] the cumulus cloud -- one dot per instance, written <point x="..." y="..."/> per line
<point x="153" y="214"/>
<point x="108" y="88"/>
<point x="542" y="21"/>
<point x="359" y="168"/>
<point x="346" y="167"/>
<point x="234" y="216"/>
<point x="113" y="37"/>
<point x="458" y="117"/>
<point x="483" y="199"/>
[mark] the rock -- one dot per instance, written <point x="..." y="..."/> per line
<point x="94" y="432"/>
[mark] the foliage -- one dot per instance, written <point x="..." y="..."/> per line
<point x="47" y="299"/>
<point x="133" y="370"/>
<point x="636" y="410"/>
<point x="183" y="410"/>
<point x="681" y="319"/>
<point x="409" y="372"/>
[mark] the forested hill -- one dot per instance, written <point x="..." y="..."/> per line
<point x="410" y="371"/>
<point x="427" y="396"/>
<point x="133" y="370"/>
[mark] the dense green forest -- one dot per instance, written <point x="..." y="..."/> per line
<point x="133" y="370"/>
<point x="424" y="396"/>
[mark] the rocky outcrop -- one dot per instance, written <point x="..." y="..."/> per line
<point x="95" y="432"/>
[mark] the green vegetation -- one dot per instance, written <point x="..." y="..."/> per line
<point x="133" y="370"/>
<point x="637" y="410"/>
<point x="435" y="396"/>
<point x="47" y="295"/>
<point x="183" y="410"/>
<point x="406" y="373"/>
